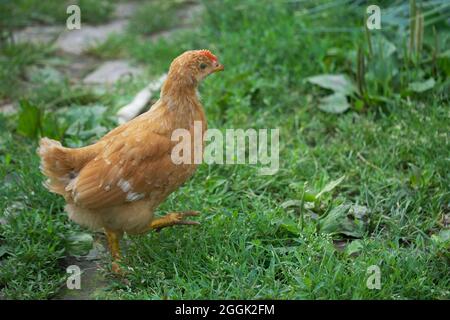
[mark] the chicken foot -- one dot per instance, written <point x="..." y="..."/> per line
<point x="172" y="219"/>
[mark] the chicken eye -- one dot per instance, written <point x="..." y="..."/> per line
<point x="202" y="66"/>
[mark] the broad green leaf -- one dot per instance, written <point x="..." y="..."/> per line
<point x="422" y="86"/>
<point x="50" y="127"/>
<point x="382" y="47"/>
<point x="84" y="123"/>
<point x="354" y="247"/>
<point x="79" y="244"/>
<point x="382" y="67"/>
<point x="308" y="197"/>
<point x="291" y="203"/>
<point x="46" y="75"/>
<point x="335" y="103"/>
<point x="29" y="119"/>
<point x="3" y="250"/>
<point x="346" y="219"/>
<point x="291" y="227"/>
<point x="330" y="186"/>
<point x="339" y="83"/>
<point x="288" y="225"/>
<point x="442" y="237"/>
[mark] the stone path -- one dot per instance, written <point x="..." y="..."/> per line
<point x="78" y="41"/>
<point x="72" y="45"/>
<point x="125" y="10"/>
<point x="37" y="34"/>
<point x="111" y="71"/>
<point x="7" y="108"/>
<point x="92" y="281"/>
<point x="76" y="67"/>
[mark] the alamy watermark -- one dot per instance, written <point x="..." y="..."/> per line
<point x="74" y="20"/>
<point x="231" y="148"/>
<point x="74" y="280"/>
<point x="374" y="19"/>
<point x="374" y="279"/>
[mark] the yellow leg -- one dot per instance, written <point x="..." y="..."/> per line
<point x="172" y="219"/>
<point x="114" y="246"/>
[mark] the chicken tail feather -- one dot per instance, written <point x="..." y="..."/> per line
<point x="56" y="165"/>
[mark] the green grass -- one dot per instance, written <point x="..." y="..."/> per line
<point x="155" y="16"/>
<point x="392" y="146"/>
<point x="21" y="13"/>
<point x="14" y="60"/>
<point x="17" y="14"/>
<point x="31" y="242"/>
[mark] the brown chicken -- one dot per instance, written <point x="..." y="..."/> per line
<point x="117" y="183"/>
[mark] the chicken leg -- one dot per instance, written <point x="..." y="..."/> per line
<point x="170" y="219"/>
<point x="114" y="246"/>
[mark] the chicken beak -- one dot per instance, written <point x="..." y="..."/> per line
<point x="219" y="67"/>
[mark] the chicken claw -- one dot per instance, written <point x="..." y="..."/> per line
<point x="174" y="218"/>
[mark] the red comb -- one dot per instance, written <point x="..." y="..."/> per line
<point x="208" y="54"/>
